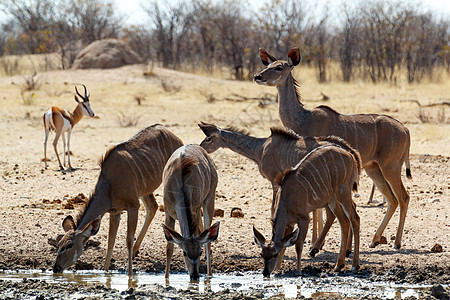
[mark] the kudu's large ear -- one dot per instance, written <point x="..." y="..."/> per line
<point x="209" y="235"/>
<point x="68" y="224"/>
<point x="171" y="235"/>
<point x="266" y="58"/>
<point x="208" y="129"/>
<point x="259" y="238"/>
<point x="294" y="57"/>
<point x="289" y="240"/>
<point x="92" y="227"/>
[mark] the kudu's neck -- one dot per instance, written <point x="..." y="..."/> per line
<point x="279" y="224"/>
<point x="77" y="115"/>
<point x="291" y="110"/>
<point x="98" y="204"/>
<point x="250" y="147"/>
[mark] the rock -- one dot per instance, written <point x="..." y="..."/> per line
<point x="161" y="208"/>
<point x="219" y="213"/>
<point x="434" y="200"/>
<point x="437" y="249"/>
<point x="68" y="206"/>
<point x="439" y="292"/>
<point x="383" y="240"/>
<point x="105" y="54"/>
<point x="236" y="212"/>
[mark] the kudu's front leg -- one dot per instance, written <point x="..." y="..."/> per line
<point x="114" y="220"/>
<point x="132" y="224"/>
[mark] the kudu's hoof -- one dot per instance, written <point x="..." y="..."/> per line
<point x="398" y="246"/>
<point x="374" y="244"/>
<point x="338" y="267"/>
<point x="354" y="269"/>
<point x="313" y="252"/>
<point x="347" y="253"/>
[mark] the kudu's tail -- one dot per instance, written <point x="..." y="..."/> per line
<point x="408" y="169"/>
<point x="408" y="166"/>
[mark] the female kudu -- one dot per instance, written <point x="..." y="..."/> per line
<point x="324" y="177"/>
<point x="382" y="141"/>
<point x="129" y="170"/>
<point x="282" y="150"/>
<point x="190" y="181"/>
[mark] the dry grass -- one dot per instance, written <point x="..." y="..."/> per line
<point x="190" y="104"/>
<point x="11" y="65"/>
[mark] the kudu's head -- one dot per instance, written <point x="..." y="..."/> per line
<point x="192" y="246"/>
<point x="72" y="243"/>
<point x="271" y="250"/>
<point x="276" y="71"/>
<point x="84" y="102"/>
<point x="213" y="140"/>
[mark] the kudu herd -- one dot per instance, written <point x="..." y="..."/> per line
<point x="313" y="163"/>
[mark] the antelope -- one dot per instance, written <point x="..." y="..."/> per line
<point x="129" y="170"/>
<point x="61" y="121"/>
<point x="382" y="141"/>
<point x="190" y="181"/>
<point x="283" y="149"/>
<point x="326" y="176"/>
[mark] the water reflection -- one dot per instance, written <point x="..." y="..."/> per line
<point x="289" y="287"/>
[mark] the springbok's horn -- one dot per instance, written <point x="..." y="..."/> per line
<point x="86" y="94"/>
<point x="78" y="93"/>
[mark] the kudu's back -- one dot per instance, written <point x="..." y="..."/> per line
<point x="189" y="173"/>
<point x="135" y="166"/>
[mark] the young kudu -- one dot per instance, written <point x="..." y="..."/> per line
<point x="129" y="170"/>
<point x="190" y="181"/>
<point x="61" y="121"/>
<point x="273" y="155"/>
<point x="382" y="141"/>
<point x="326" y="176"/>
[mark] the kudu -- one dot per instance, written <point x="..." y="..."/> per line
<point x="282" y="150"/>
<point x="382" y="141"/>
<point x="129" y="170"/>
<point x="190" y="181"/>
<point x="61" y="121"/>
<point x="326" y="176"/>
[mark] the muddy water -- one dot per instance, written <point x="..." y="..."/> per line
<point x="289" y="287"/>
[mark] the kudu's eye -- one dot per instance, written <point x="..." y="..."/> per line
<point x="69" y="245"/>
<point x="208" y="139"/>
<point x="279" y="68"/>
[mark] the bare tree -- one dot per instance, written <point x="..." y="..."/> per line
<point x="33" y="19"/>
<point x="170" y="26"/>
<point x="94" y="19"/>
<point x="349" y="43"/>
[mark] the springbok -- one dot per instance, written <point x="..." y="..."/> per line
<point x="129" y="170"/>
<point x="282" y="150"/>
<point x="61" y="121"/>
<point x="326" y="176"/>
<point x="190" y="181"/>
<point x="382" y="141"/>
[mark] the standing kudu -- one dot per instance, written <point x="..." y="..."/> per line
<point x="326" y="176"/>
<point x="382" y="141"/>
<point x="190" y="181"/>
<point x="61" y="121"/>
<point x="273" y="155"/>
<point x="129" y="170"/>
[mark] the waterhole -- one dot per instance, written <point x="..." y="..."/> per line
<point x="289" y="287"/>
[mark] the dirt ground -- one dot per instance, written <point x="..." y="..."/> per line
<point x="34" y="201"/>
